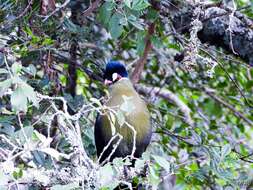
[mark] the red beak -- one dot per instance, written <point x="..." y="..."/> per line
<point x="107" y="82"/>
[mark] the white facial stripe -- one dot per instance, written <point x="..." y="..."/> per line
<point x="114" y="77"/>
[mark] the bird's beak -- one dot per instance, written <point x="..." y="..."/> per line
<point x="107" y="82"/>
<point x="115" y="77"/>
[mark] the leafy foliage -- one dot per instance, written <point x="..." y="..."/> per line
<point x="46" y="132"/>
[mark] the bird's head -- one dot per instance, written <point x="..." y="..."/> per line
<point x="114" y="71"/>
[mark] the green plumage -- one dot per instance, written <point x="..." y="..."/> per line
<point x="135" y="113"/>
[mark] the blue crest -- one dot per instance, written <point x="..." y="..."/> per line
<point x="115" y="67"/>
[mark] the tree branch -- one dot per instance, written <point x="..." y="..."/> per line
<point x="227" y="105"/>
<point x="72" y="75"/>
<point x="26" y="9"/>
<point x="170" y="96"/>
<point x="136" y="75"/>
<point x="91" y="8"/>
<point x="218" y="31"/>
<point x="56" y="10"/>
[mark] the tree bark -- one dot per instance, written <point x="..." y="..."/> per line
<point x="222" y="27"/>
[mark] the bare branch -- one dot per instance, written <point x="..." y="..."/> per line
<point x="168" y="95"/>
<point x="136" y="75"/>
<point x="216" y="22"/>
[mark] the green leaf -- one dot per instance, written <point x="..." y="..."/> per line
<point x="3" y="179"/>
<point x="31" y="69"/>
<point x="153" y="178"/>
<point x="39" y="136"/>
<point x="31" y="95"/>
<point x="140" y="43"/>
<point x="213" y="109"/>
<point x="127" y="106"/>
<point x="3" y="71"/>
<point x="6" y="123"/>
<point x="19" y="100"/>
<point x="107" y="176"/>
<point x="139" y="164"/>
<point x="17" y="80"/>
<point x="105" y="12"/>
<point x="120" y="118"/>
<point x="4" y="86"/>
<point x="70" y="26"/>
<point x="135" y="22"/>
<point x="139" y="5"/>
<point x="22" y="134"/>
<point x="156" y="41"/>
<point x="115" y="27"/>
<point x="35" y="40"/>
<point x="28" y="31"/>
<point x="128" y="3"/>
<point x="225" y="150"/>
<point x="152" y="15"/>
<point x="162" y="162"/>
<point x="20" y="95"/>
<point x="123" y="21"/>
<point x="16" y="68"/>
<point x="47" y="42"/>
<point x="146" y="156"/>
<point x="118" y="162"/>
<point x="18" y="174"/>
<point x="174" y="46"/>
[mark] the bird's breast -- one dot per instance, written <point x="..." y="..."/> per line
<point x="134" y="111"/>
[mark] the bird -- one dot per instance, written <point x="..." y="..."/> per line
<point x="124" y="99"/>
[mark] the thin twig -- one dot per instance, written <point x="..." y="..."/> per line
<point x="22" y="127"/>
<point x="41" y="116"/>
<point x="134" y="138"/>
<point x="115" y="146"/>
<point x="56" y="10"/>
<point x="91" y="8"/>
<point x="236" y="112"/>
<point x="233" y="81"/>
<point x="25" y="10"/>
<point x="107" y="146"/>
